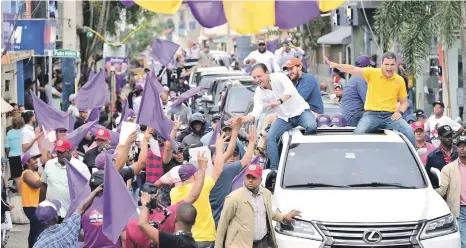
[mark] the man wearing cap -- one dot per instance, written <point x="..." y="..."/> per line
<point x="443" y="154"/>
<point x="64" y="234"/>
<point x="337" y="92"/>
<point x="453" y="188"/>
<point x="55" y="178"/>
<point x="204" y="228"/>
<point x="306" y="85"/>
<point x="249" y="225"/>
<point x="423" y="148"/>
<point x="354" y="98"/>
<point x="261" y="55"/>
<point x="437" y="120"/>
<point x="72" y="109"/>
<point x="102" y="138"/>
<point x="215" y="120"/>
<point x="136" y="102"/>
<point x="385" y="88"/>
<point x="81" y="119"/>
<point x="420" y="115"/>
<point x="276" y="92"/>
<point x="287" y="51"/>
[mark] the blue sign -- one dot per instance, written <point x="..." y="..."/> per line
<point x="33" y="34"/>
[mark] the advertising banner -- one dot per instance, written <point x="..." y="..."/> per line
<point x="121" y="68"/>
<point x="37" y="35"/>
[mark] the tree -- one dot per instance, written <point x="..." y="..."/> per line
<point x="149" y="30"/>
<point x="103" y="17"/>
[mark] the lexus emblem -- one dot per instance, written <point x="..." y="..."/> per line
<point x="372" y="236"/>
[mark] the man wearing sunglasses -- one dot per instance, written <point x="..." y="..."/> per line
<point x="261" y="55"/>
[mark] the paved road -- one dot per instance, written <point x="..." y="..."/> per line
<point x="18" y="237"/>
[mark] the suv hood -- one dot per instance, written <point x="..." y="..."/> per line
<point x="362" y="205"/>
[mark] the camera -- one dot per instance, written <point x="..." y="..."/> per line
<point x="154" y="204"/>
<point x="174" y="76"/>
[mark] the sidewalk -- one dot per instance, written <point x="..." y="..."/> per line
<point x="18" y="236"/>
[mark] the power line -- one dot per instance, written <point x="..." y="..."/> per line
<point x="367" y="22"/>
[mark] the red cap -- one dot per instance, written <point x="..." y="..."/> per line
<point x="417" y="125"/>
<point x="62" y="145"/>
<point x="102" y="133"/>
<point x="254" y="170"/>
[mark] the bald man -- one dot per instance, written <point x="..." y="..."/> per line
<point x="166" y="105"/>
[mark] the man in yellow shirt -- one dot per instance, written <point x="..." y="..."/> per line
<point x="384" y="89"/>
<point x="204" y="229"/>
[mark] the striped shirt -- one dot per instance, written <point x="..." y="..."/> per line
<point x="260" y="215"/>
<point x="62" y="235"/>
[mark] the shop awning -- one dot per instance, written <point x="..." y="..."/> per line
<point x="340" y="36"/>
<point x="12" y="56"/>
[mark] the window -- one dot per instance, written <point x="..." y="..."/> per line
<point x="238" y="99"/>
<point x="345" y="163"/>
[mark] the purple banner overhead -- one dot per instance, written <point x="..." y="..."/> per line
<point x="290" y="14"/>
<point x="163" y="51"/>
<point x="208" y="13"/>
<point x="188" y="94"/>
<point x="93" y="94"/>
<point x="93" y="115"/>
<point x="127" y="3"/>
<point x="50" y="118"/>
<point x="78" y="135"/>
<point x="272" y="45"/>
<point x="78" y="188"/>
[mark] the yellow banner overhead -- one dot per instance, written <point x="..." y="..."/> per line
<point x="249" y="17"/>
<point x="327" y="5"/>
<point x="162" y="7"/>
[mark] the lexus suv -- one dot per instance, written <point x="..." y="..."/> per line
<point x="357" y="190"/>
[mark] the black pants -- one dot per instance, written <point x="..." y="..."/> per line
<point x="263" y="243"/>
<point x="35" y="228"/>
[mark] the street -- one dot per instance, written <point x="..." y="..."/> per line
<point x="18" y="236"/>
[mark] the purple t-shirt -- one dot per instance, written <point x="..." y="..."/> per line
<point x="91" y="222"/>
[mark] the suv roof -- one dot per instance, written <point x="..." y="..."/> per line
<point x="344" y="134"/>
<point x="210" y="69"/>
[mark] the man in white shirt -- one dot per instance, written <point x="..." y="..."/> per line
<point x="72" y="109"/>
<point x="438" y="120"/>
<point x="276" y="92"/>
<point x="261" y="55"/>
<point x="288" y="51"/>
<point x="29" y="136"/>
<point x="137" y="98"/>
<point x="55" y="179"/>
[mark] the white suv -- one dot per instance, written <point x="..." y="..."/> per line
<point x="357" y="190"/>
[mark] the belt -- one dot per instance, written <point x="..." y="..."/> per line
<point x="256" y="242"/>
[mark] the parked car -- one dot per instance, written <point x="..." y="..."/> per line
<point x="195" y="76"/>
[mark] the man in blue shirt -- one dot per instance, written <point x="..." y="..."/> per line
<point x="306" y="84"/>
<point x="354" y="96"/>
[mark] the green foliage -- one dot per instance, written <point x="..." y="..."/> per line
<point x="145" y="36"/>
<point x="413" y="24"/>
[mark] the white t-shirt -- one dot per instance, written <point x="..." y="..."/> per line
<point x="267" y="58"/>
<point x="172" y="177"/>
<point x="27" y="135"/>
<point x="55" y="177"/>
<point x="136" y="104"/>
<point x="433" y="123"/>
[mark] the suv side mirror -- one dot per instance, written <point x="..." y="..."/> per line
<point x="268" y="179"/>
<point x="436" y="173"/>
<point x="207" y="99"/>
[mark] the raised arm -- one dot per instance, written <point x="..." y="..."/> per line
<point x="200" y="175"/>
<point x="236" y="125"/>
<point x="88" y="202"/>
<point x="250" y="150"/>
<point x="218" y="164"/>
<point x="167" y="155"/>
<point x="151" y="232"/>
<point x="141" y="163"/>
<point x="353" y="70"/>
<point x="123" y="151"/>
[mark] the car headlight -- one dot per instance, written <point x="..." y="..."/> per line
<point x="299" y="229"/>
<point x="439" y="227"/>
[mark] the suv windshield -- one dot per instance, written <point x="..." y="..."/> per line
<point x="352" y="163"/>
<point x="238" y="99"/>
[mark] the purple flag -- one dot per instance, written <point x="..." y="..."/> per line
<point x="91" y="75"/>
<point x="213" y="139"/>
<point x="303" y="60"/>
<point x="93" y="94"/>
<point x="188" y="94"/>
<point x="153" y="78"/>
<point x="119" y="205"/>
<point x="208" y="13"/>
<point x="119" y="80"/>
<point x="94" y="114"/>
<point x="290" y="14"/>
<point x="152" y="115"/>
<point x="127" y="3"/>
<point x="50" y="118"/>
<point x="114" y="136"/>
<point x="163" y="51"/>
<point x="238" y="181"/>
<point x="78" y="135"/>
<point x="124" y="115"/>
<point x="78" y="188"/>
<point x="272" y="45"/>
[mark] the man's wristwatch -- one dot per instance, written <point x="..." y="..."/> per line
<point x="401" y="112"/>
<point x="280" y="100"/>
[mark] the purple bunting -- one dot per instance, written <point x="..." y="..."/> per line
<point x="208" y="13"/>
<point x="78" y="188"/>
<point x="50" y="118"/>
<point x="152" y="115"/>
<point x="114" y="136"/>
<point x="124" y="115"/>
<point x="272" y="45"/>
<point x="93" y="94"/>
<point x="238" y="181"/>
<point x="93" y="115"/>
<point x="78" y="135"/>
<point x="163" y="51"/>
<point x="119" y="205"/>
<point x="213" y="138"/>
<point x="290" y="14"/>
<point x="127" y="3"/>
<point x="188" y="94"/>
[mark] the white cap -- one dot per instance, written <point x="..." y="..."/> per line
<point x="72" y="97"/>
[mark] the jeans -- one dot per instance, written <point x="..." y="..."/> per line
<point x="35" y="228"/>
<point x="462" y="225"/>
<point x="372" y="121"/>
<point x="354" y="119"/>
<point x="205" y="244"/>
<point x="305" y="120"/>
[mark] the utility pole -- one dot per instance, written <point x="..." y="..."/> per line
<point x="463" y="51"/>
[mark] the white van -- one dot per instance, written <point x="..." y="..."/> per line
<point x="357" y="190"/>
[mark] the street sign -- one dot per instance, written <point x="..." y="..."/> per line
<point x="65" y="53"/>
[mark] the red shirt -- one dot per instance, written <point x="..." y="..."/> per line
<point x="134" y="236"/>
<point x="446" y="156"/>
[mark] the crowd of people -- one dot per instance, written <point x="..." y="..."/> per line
<point x="185" y="179"/>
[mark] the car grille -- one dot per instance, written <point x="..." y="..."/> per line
<point x="393" y="235"/>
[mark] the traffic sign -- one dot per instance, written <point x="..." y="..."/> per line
<point x="65" y="53"/>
